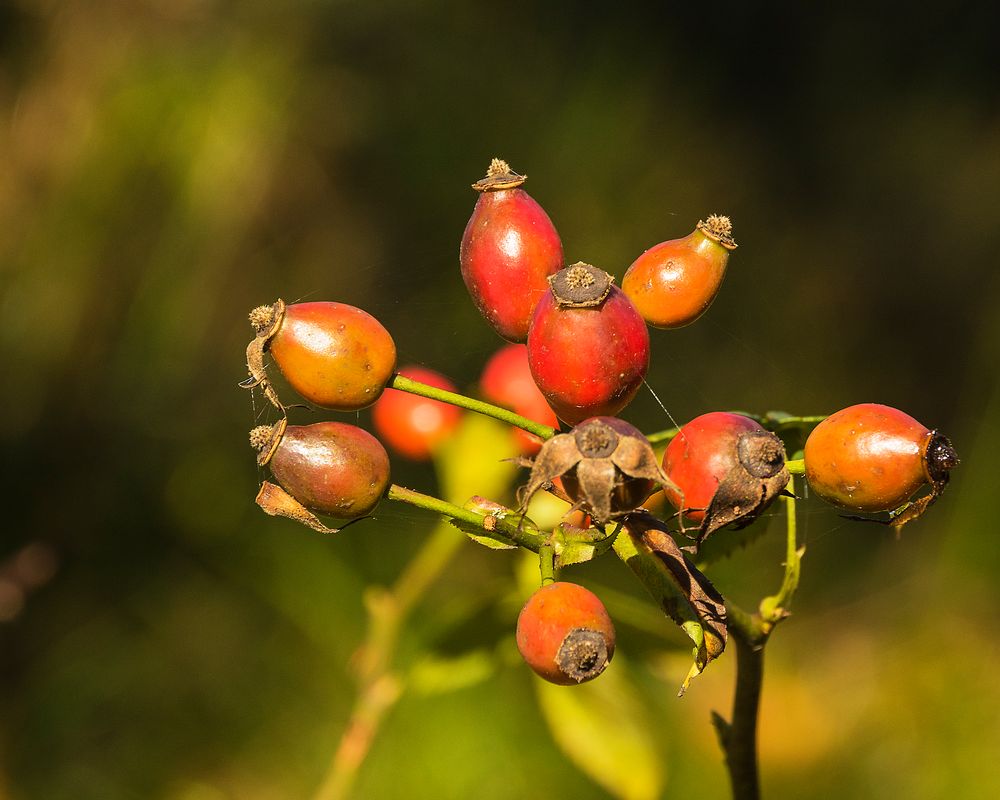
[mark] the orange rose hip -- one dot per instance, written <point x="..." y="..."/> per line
<point x="870" y="457"/>
<point x="565" y="635"/>
<point x="673" y="283"/>
<point x="333" y="354"/>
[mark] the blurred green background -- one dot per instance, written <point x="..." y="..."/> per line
<point x="169" y="164"/>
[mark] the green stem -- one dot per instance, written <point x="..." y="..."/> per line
<point x="513" y="527"/>
<point x="547" y="563"/>
<point x="775" y="608"/>
<point x="796" y="467"/>
<point x="405" y="384"/>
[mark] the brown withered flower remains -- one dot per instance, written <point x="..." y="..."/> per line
<point x="607" y="467"/>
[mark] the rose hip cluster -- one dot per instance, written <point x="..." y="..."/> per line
<point x="578" y="352"/>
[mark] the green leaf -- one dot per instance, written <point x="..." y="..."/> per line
<point x="491" y="539"/>
<point x="603" y="728"/>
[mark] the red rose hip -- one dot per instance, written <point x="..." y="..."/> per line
<point x="588" y="348"/>
<point x="329" y="467"/>
<point x="333" y="354"/>
<point x="509" y="248"/>
<point x="871" y="458"/>
<point x="412" y="425"/>
<point x="728" y="467"/>
<point x="673" y="283"/>
<point x="565" y="635"/>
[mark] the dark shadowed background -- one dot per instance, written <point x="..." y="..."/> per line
<point x="167" y="165"/>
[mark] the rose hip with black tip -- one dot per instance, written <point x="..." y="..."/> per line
<point x="871" y="458"/>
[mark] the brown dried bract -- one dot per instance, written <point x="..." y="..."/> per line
<point x="749" y="487"/>
<point x="607" y="467"/>
<point x="266" y="320"/>
<point x="278" y="503"/>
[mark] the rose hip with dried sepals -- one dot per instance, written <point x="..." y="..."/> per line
<point x="565" y="634"/>
<point x="333" y="354"/>
<point x="509" y="248"/>
<point x="412" y="425"/>
<point x="606" y="465"/>
<point x="588" y="347"/>
<point x="673" y="283"/>
<point x="330" y="467"/>
<point x="871" y="458"/>
<point x="729" y="469"/>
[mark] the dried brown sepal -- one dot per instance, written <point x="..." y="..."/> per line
<point x="580" y="285"/>
<point x="908" y="512"/>
<point x="265" y="320"/>
<point x="277" y="502"/>
<point x="708" y="605"/>
<point x="749" y="487"/>
<point x="499" y="176"/>
<point x="605" y="463"/>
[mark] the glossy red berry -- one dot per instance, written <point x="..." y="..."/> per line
<point x="565" y="635"/>
<point x="509" y="248"/>
<point x="329" y="467"/>
<point x="506" y="381"/>
<point x="727" y="466"/>
<point x="334" y="355"/>
<point x="588" y="348"/>
<point x="673" y="283"/>
<point x="872" y="457"/>
<point x="412" y="425"/>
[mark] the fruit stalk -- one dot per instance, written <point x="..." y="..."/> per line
<point x="488" y="409"/>
<point x="738" y="736"/>
<point x="519" y="530"/>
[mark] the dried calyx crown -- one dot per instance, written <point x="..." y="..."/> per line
<point x="265" y="440"/>
<point x="719" y="228"/>
<point x="499" y="176"/>
<point x="939" y="458"/>
<point x="580" y="286"/>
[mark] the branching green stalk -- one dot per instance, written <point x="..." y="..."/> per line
<point x="738" y="737"/>
<point x="380" y="688"/>
<point x="796" y="467"/>
<point x="405" y="384"/>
